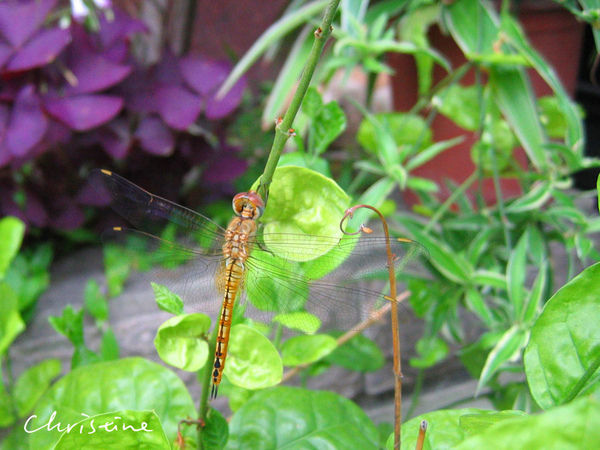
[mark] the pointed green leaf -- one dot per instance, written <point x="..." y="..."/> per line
<point x="167" y="300"/>
<point x="515" y="277"/>
<point x="12" y="231"/>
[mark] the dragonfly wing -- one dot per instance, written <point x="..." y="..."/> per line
<point x="191" y="273"/>
<point x="153" y="214"/>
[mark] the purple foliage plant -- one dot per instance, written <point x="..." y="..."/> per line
<point x="72" y="98"/>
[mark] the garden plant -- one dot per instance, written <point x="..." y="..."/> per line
<point x="536" y="354"/>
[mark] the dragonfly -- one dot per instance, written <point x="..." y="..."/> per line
<point x="278" y="272"/>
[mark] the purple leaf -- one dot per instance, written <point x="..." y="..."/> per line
<point x="121" y="27"/>
<point x="94" y="73"/>
<point x="27" y="124"/>
<point x="69" y="218"/>
<point x="20" y="20"/>
<point x="115" y="138"/>
<point x="83" y="112"/>
<point x="5" y="53"/>
<point x="41" y="50"/>
<point x="92" y="194"/>
<point x="167" y="70"/>
<point x="178" y="107"/>
<point x="219" y="108"/>
<point x="202" y="75"/>
<point x="224" y="169"/>
<point x="155" y="137"/>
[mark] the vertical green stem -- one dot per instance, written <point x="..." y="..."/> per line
<point x="282" y="129"/>
<point x="204" y="375"/>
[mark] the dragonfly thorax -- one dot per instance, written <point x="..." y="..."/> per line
<point x="248" y="205"/>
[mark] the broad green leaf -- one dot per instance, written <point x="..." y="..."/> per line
<point x="28" y="275"/>
<point x="11" y="323"/>
<point x="12" y="231"/>
<point x="215" y="431"/>
<point x="32" y="384"/>
<point x="477" y="423"/>
<point x="562" y="358"/>
<point x="306" y="349"/>
<point x="461" y="104"/>
<point x="401" y="128"/>
<point x="17" y="439"/>
<point x="360" y="354"/>
<point x="508" y="347"/>
<point x="167" y="300"/>
<point x="329" y="123"/>
<point x="297" y="418"/>
<point x="516" y="271"/>
<point x="572" y="426"/>
<point x="181" y="341"/>
<point x="253" y="362"/>
<point x="300" y="321"/>
<point x="302" y="202"/>
<point x="118" y="429"/>
<point x="443" y="430"/>
<point x="7" y="413"/>
<point x="95" y="303"/>
<point x="132" y="383"/>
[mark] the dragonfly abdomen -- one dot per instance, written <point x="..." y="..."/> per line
<point x="234" y="273"/>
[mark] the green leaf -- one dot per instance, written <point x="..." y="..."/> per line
<point x="32" y="384"/>
<point x="181" y="341"/>
<point x="571" y="426"/>
<point x="508" y="347"/>
<point x="477" y="423"/>
<point x="118" y="429"/>
<point x="109" y="346"/>
<point x="286" y="416"/>
<point x="215" y="432"/>
<point x="532" y="200"/>
<point x="253" y="361"/>
<point x="359" y="353"/>
<point x="562" y="358"/>
<point x="7" y="406"/>
<point x="70" y="325"/>
<point x="461" y="105"/>
<point x="443" y="431"/>
<point x="12" y="231"/>
<point x="431" y="152"/>
<point x="95" y="303"/>
<point x="118" y="267"/>
<point x="11" y="323"/>
<point x="516" y="271"/>
<point x="300" y="321"/>
<point x="431" y="351"/>
<point x="312" y="103"/>
<point x="303" y="202"/>
<point x="300" y="350"/>
<point x="132" y="383"/>
<point x="28" y="275"/>
<point x="475" y="302"/>
<point x="327" y="126"/>
<point x="167" y="300"/>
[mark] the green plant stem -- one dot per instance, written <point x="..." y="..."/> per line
<point x="446" y="205"/>
<point x="204" y="375"/>
<point x="282" y="129"/>
<point x="416" y="394"/>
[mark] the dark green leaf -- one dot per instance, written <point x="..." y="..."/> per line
<point x="181" y="341"/>
<point x="515" y="277"/>
<point x="431" y="351"/>
<point x="312" y="103"/>
<point x="359" y="353"/>
<point x="132" y="383"/>
<point x="215" y="432"/>
<point x="562" y="358"/>
<point x="292" y="417"/>
<point x="327" y="126"/>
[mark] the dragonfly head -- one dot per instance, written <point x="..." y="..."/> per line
<point x="248" y="204"/>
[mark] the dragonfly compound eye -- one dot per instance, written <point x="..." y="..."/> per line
<point x="249" y="201"/>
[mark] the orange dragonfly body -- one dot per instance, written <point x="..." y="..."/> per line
<point x="281" y="272"/>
